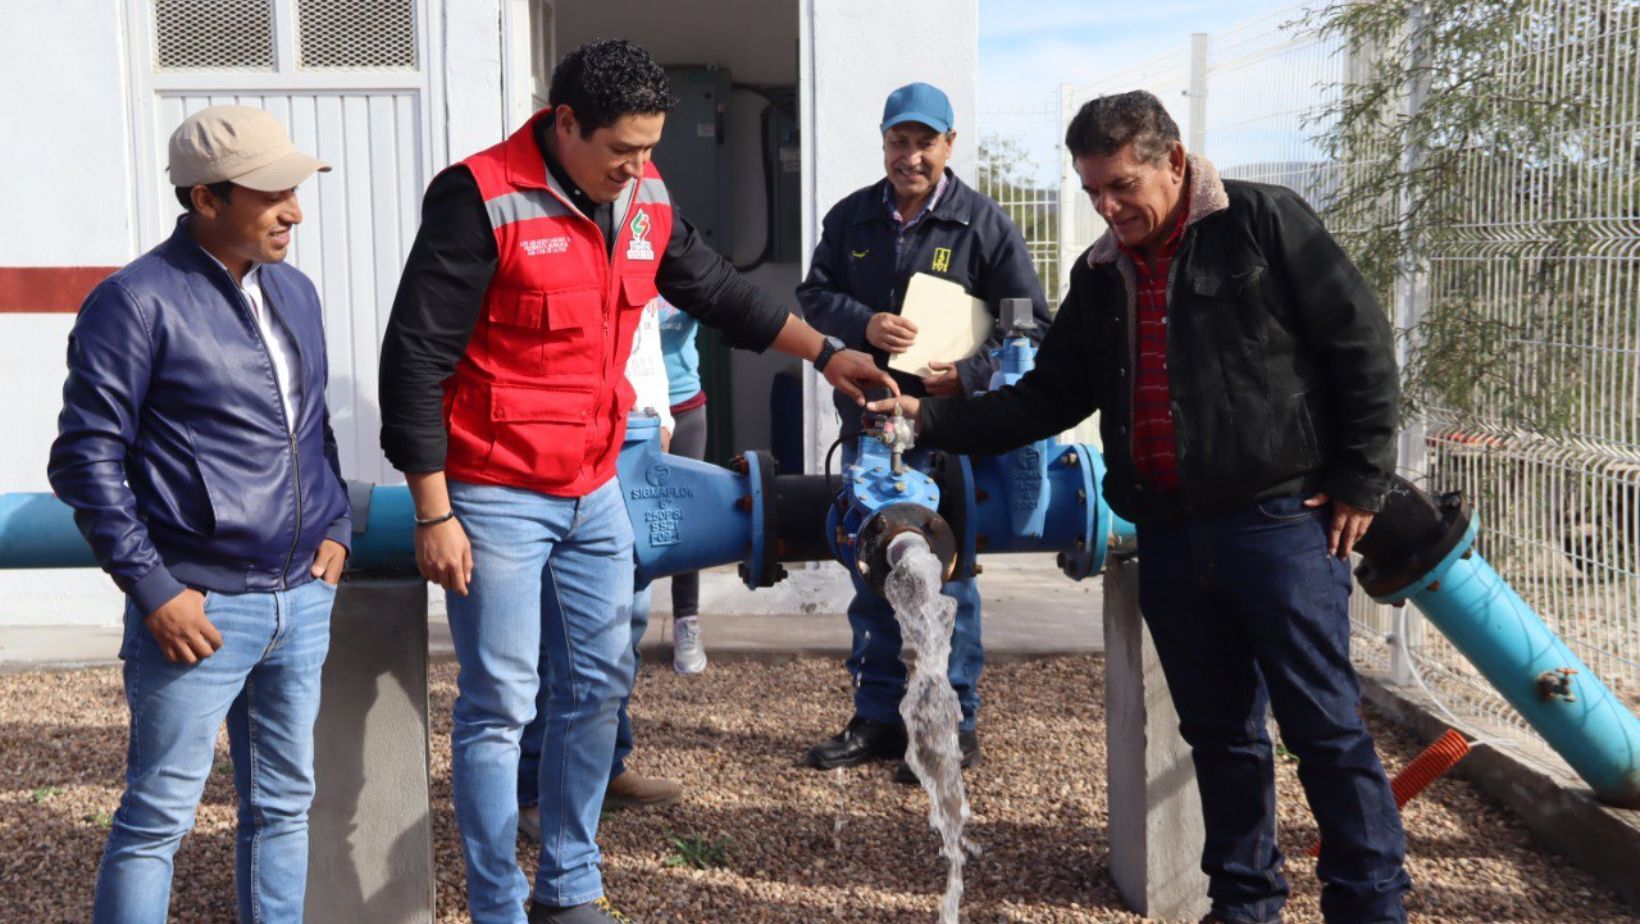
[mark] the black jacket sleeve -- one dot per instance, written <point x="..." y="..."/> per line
<point x="1054" y="396"/>
<point x="1007" y="272"/>
<point x="702" y="284"/>
<point x="827" y="305"/>
<point x="1341" y="324"/>
<point x="440" y="296"/>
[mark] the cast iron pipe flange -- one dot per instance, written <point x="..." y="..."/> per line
<point x="871" y="553"/>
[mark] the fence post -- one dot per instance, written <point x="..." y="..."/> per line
<point x="1070" y="195"/>
<point x="1411" y="302"/>
<point x="1196" y="139"/>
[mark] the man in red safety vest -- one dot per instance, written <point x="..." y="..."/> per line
<point x="504" y="402"/>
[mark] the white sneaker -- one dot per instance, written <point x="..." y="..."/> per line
<point x="688" y="654"/>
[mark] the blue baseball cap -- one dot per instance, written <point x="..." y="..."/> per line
<point x="918" y="102"/>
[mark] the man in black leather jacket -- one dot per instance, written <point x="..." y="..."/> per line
<point x="1245" y="380"/>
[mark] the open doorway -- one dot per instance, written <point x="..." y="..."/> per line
<point x="731" y="160"/>
<point x="543" y="51"/>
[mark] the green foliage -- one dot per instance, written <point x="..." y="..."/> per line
<point x="699" y="852"/>
<point x="1476" y="147"/>
<point x="45" y="792"/>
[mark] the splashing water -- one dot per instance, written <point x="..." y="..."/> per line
<point x="930" y="708"/>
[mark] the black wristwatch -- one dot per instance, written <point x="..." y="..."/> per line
<point x="830" y="346"/>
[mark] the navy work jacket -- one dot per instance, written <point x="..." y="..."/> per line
<point x="855" y="273"/>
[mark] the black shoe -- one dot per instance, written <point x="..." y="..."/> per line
<point x="598" y="912"/>
<point x="861" y="741"/>
<point x="967" y="743"/>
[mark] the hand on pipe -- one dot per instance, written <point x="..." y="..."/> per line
<point x="852" y="372"/>
<point x="908" y="406"/>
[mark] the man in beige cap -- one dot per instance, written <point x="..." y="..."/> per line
<point x="196" y="450"/>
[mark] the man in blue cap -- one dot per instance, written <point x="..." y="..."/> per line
<point x="919" y="219"/>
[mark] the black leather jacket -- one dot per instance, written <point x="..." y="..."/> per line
<point x="1280" y="362"/>
<point x="172" y="445"/>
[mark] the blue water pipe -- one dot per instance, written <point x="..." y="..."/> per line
<point x="689" y="515"/>
<point x="1422" y="551"/>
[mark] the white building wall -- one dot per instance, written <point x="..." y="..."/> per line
<point x="66" y="197"/>
<point x="72" y="187"/>
<point x="855" y="52"/>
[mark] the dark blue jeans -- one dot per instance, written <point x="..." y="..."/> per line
<point x="1248" y="611"/>
<point x="874" y="661"/>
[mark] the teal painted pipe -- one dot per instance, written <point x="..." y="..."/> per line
<point x="1506" y="640"/>
<point x="38" y="531"/>
<point x="385" y="540"/>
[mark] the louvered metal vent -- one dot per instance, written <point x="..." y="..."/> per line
<point x="213" y="35"/>
<point x="356" y="34"/>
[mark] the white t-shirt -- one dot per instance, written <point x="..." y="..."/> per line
<point x="280" y="346"/>
<point x="646" y="367"/>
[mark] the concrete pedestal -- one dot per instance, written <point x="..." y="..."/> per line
<point x="371" y="827"/>
<point x="1155" y="810"/>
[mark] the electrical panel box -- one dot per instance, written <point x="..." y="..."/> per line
<point x="784" y="152"/>
<point x="692" y="156"/>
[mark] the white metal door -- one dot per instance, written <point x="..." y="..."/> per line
<point x="370" y="122"/>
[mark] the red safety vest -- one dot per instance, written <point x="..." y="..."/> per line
<point x="540" y="397"/>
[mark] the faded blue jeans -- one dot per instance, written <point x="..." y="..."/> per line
<point x="529" y="760"/>
<point x="1248" y="612"/>
<point x="265" y="681"/>
<point x="527" y="545"/>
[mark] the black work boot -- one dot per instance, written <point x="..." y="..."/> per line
<point x="863" y="740"/>
<point x="598" y="912"/>
<point x="967" y="743"/>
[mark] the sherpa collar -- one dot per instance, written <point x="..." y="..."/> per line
<point x="1207" y="197"/>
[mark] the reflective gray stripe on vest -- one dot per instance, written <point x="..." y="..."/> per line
<point x="524" y="205"/>
<point x="652" y="190"/>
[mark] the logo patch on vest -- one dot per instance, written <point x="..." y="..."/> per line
<point x="942" y="259"/>
<point x="639" y="248"/>
<point x="542" y="246"/>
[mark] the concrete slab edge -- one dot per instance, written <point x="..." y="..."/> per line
<point x="1562" y="814"/>
<point x="660" y="654"/>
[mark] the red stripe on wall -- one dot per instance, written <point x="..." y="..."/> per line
<point x="48" y="289"/>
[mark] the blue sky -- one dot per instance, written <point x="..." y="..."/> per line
<point x="1035" y="45"/>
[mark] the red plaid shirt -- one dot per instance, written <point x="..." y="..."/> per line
<point x="1154" y="446"/>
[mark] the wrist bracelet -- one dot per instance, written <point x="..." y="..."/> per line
<point x="434" y="521"/>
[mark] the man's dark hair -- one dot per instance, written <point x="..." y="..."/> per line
<point x="606" y="79"/>
<point x="1105" y="125"/>
<point x="222" y="190"/>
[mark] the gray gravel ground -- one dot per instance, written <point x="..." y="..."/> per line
<point x="802" y="845"/>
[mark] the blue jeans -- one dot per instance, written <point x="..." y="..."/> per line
<point x="265" y="681"/>
<point x="879" y="674"/>
<point x="1248" y="612"/>
<point x="529" y="759"/>
<point x="525" y="546"/>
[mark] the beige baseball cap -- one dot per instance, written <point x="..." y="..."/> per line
<point x="239" y="143"/>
